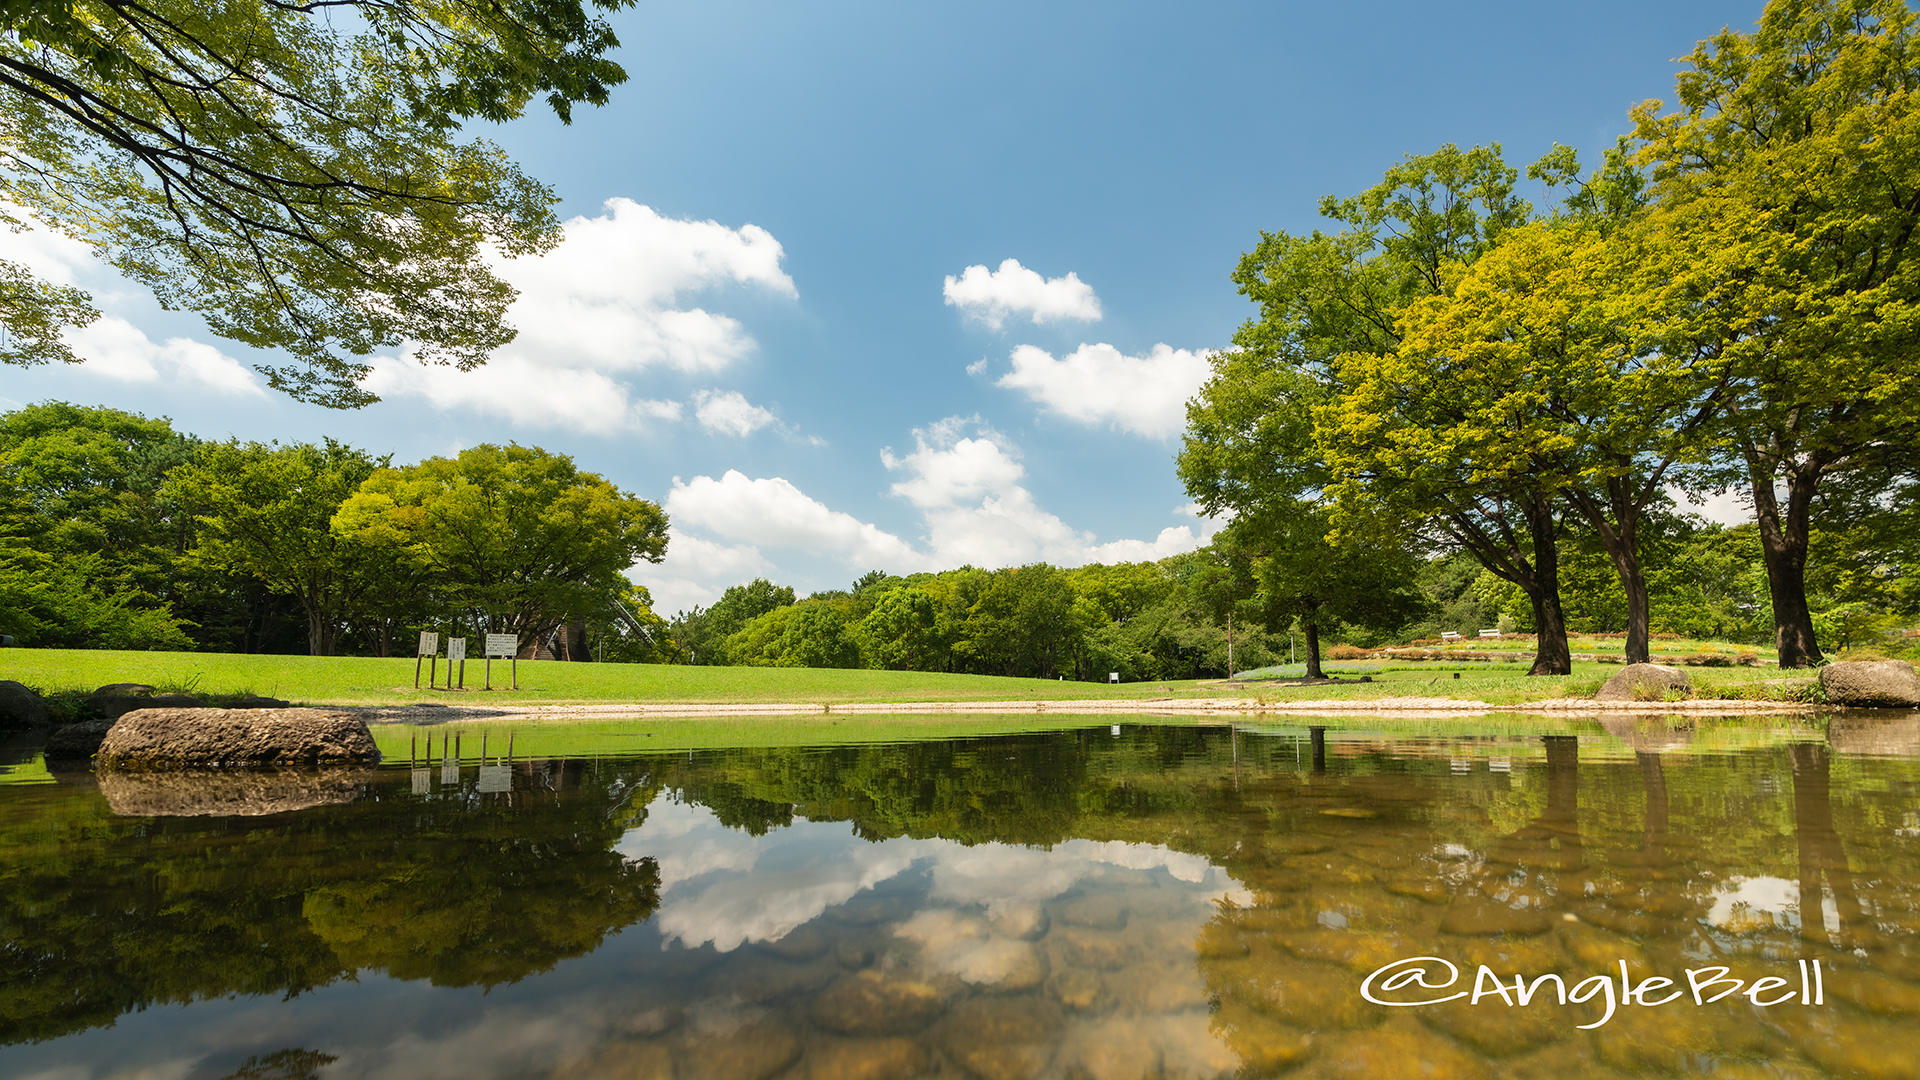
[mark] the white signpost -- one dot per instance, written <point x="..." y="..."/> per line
<point x="457" y="650"/>
<point x="429" y="647"/>
<point x="504" y="647"/>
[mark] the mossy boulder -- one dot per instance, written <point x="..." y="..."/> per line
<point x="1645" y="682"/>
<point x="1886" y="684"/>
<point x="225" y="738"/>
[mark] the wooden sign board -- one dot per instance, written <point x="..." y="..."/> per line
<point x="456" y="649"/>
<point x="429" y="643"/>
<point x="503" y="646"/>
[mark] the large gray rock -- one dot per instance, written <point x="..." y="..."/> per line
<point x="1645" y="682"/>
<point x="77" y="742"/>
<point x="20" y="707"/>
<point x="188" y="738"/>
<point x="248" y="793"/>
<point x="1886" y="684"/>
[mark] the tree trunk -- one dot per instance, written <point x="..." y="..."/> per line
<point x="1551" y="653"/>
<point x="1619" y="533"/>
<point x="1500" y="551"/>
<point x="1311" y="630"/>
<point x="1783" y="547"/>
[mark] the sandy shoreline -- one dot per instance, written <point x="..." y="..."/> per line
<point x="1398" y="707"/>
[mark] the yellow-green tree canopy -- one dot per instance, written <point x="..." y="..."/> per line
<point x="1789" y="179"/>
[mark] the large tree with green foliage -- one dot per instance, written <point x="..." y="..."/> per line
<point x="294" y="172"/>
<point x="518" y="539"/>
<point x="1789" y="177"/>
<point x="89" y="551"/>
<point x="1545" y="359"/>
<point x="1331" y="301"/>
<point x="266" y="511"/>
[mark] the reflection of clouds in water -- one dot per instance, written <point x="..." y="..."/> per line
<point x="724" y="886"/>
<point x="1747" y="903"/>
<point x="492" y="1044"/>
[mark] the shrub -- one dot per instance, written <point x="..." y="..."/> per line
<point x="1707" y="660"/>
<point x="1344" y="651"/>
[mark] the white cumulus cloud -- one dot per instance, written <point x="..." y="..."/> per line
<point x="117" y="349"/>
<point x="963" y="478"/>
<point x="1097" y="384"/>
<point x="608" y="303"/>
<point x="774" y="513"/>
<point x="967" y="487"/>
<point x="696" y="571"/>
<point x="729" y="413"/>
<point x="992" y="296"/>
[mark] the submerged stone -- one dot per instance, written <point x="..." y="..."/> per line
<point x="1024" y="921"/>
<point x="866" y="1059"/>
<point x="870" y="1003"/>
<point x="1096" y="912"/>
<point x="1393" y="1055"/>
<point x="1479" y="917"/>
<point x="1001" y="1038"/>
<point x="753" y="1052"/>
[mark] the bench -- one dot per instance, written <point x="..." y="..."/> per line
<point x="1489" y="633"/>
<point x="1448" y="635"/>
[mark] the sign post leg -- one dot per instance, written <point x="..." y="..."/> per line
<point x="513" y="668"/>
<point x="489" y="673"/>
<point x="433" y="669"/>
<point x="416" y="672"/>
<point x="463" y="673"/>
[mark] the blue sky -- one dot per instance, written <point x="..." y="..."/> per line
<point x="759" y="334"/>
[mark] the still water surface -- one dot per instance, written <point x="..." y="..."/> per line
<point x="1108" y="902"/>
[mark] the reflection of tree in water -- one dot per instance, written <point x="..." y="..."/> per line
<point x="101" y="914"/>
<point x="1823" y="862"/>
<point x="283" y="1065"/>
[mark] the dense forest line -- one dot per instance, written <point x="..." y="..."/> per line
<point x="116" y="531"/>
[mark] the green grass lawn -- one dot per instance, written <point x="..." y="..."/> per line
<point x="365" y="680"/>
<point x="350" y="679"/>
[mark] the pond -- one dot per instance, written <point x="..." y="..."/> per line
<point x="1139" y="900"/>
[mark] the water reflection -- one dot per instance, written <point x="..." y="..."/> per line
<point x="1164" y="902"/>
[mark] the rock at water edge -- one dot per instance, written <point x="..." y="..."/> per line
<point x="190" y="738"/>
<point x="1645" y="682"/>
<point x="21" y="707"/>
<point x="77" y="742"/>
<point x="1872" y="683"/>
